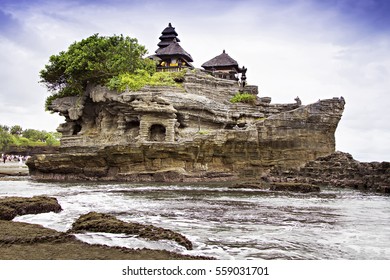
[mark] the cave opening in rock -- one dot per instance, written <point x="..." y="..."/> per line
<point x="76" y="129"/>
<point x="157" y="133"/>
<point x="132" y="125"/>
<point x="181" y="121"/>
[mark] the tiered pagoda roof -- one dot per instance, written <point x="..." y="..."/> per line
<point x="168" y="36"/>
<point x="170" y="55"/>
<point x="174" y="49"/>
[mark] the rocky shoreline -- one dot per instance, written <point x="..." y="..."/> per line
<point x="33" y="242"/>
<point x="337" y="170"/>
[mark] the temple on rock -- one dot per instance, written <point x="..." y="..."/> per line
<point x="170" y="55"/>
<point x="223" y="66"/>
<point x="200" y="129"/>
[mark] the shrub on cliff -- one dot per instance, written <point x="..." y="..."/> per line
<point x="96" y="60"/>
<point x="140" y="78"/>
<point x="243" y="97"/>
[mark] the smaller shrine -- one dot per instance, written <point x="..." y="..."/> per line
<point x="225" y="67"/>
<point x="170" y="56"/>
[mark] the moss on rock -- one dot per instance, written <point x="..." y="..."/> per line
<point x="22" y="241"/>
<point x="10" y="207"/>
<point x="98" y="222"/>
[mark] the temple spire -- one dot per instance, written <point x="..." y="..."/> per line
<point x="171" y="56"/>
<point x="168" y="35"/>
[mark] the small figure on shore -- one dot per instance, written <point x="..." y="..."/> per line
<point x="4" y="158"/>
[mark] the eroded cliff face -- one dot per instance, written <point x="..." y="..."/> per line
<point x="192" y="132"/>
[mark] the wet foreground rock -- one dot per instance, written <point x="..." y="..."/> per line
<point x="98" y="222"/>
<point x="10" y="207"/>
<point x="23" y="241"/>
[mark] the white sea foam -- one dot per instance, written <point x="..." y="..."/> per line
<point x="224" y="223"/>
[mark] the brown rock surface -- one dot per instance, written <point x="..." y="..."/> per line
<point x="184" y="134"/>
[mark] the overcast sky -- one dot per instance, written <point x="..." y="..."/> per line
<point x="312" y="49"/>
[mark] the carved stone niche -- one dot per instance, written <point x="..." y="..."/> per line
<point x="157" y="133"/>
<point x="157" y="129"/>
<point x="131" y="127"/>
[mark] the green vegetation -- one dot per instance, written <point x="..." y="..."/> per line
<point x="140" y="78"/>
<point x="243" y="97"/>
<point x="16" y="136"/>
<point x="94" y="60"/>
<point x="203" y="132"/>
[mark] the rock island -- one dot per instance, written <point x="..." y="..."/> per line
<point x="212" y="125"/>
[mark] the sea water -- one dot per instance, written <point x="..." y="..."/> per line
<point x="223" y="222"/>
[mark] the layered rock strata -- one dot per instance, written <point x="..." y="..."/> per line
<point x="186" y="133"/>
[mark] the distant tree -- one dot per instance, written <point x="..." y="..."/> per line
<point x="16" y="130"/>
<point x="35" y="135"/>
<point x="4" y="128"/>
<point x="5" y="139"/>
<point x="94" y="60"/>
<point x="56" y="135"/>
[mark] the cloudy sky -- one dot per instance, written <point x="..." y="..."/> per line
<point x="314" y="49"/>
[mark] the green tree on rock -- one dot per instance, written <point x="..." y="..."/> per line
<point x="94" y="60"/>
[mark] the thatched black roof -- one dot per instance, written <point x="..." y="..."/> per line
<point x="174" y="49"/>
<point x="168" y="36"/>
<point x="169" y="30"/>
<point x="222" y="60"/>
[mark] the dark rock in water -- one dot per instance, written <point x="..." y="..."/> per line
<point x="339" y="170"/>
<point x="98" y="222"/>
<point x="294" y="187"/>
<point x="249" y="185"/>
<point x="10" y="207"/>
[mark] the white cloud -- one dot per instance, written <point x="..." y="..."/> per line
<point x="290" y="50"/>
